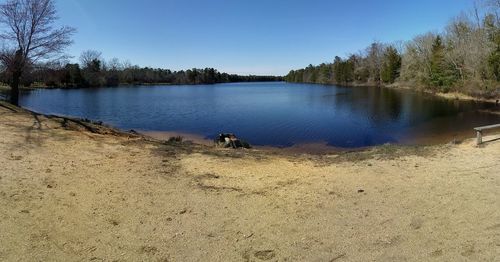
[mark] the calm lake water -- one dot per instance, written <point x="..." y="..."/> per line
<point x="274" y="114"/>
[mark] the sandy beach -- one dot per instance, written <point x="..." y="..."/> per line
<point x="69" y="194"/>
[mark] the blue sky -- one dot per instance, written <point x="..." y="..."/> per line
<point x="246" y="36"/>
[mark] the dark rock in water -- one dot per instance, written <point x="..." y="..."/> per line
<point x="132" y="131"/>
<point x="230" y="140"/>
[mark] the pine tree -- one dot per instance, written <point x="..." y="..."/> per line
<point x="391" y="66"/>
<point x="337" y="70"/>
<point x="442" y="74"/>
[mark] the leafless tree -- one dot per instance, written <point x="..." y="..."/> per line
<point x="416" y="64"/>
<point x="114" y="64"/>
<point x="374" y="56"/>
<point x="29" y="36"/>
<point x="90" y="56"/>
<point x="468" y="46"/>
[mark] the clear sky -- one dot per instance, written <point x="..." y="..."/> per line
<point x="246" y="36"/>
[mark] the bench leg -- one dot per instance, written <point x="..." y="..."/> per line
<point x="479" y="137"/>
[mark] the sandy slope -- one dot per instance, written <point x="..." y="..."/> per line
<point x="71" y="195"/>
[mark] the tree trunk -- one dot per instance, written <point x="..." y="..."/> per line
<point x="14" y="88"/>
<point x="17" y="71"/>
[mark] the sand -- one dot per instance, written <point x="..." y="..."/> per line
<point x="67" y="194"/>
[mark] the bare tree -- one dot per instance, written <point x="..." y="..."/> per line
<point x="416" y="60"/>
<point x="93" y="66"/>
<point x="374" y="60"/>
<point x="114" y="64"/>
<point x="30" y="37"/>
<point x="468" y="46"/>
<point x="90" y="56"/>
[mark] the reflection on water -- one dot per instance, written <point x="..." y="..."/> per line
<point x="277" y="114"/>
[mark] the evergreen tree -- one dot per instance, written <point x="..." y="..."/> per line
<point x="72" y="76"/>
<point x="337" y="70"/>
<point x="391" y="66"/>
<point x="325" y="73"/>
<point x="442" y="75"/>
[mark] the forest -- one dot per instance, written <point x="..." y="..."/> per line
<point x="464" y="58"/>
<point x="94" y="71"/>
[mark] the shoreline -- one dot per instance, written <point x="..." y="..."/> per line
<point x="454" y="95"/>
<point x="6" y="87"/>
<point x="306" y="147"/>
<point x="322" y="147"/>
<point x="311" y="147"/>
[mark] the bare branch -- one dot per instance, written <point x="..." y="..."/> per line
<point x="29" y="28"/>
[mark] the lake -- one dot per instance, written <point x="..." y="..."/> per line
<point x="273" y="114"/>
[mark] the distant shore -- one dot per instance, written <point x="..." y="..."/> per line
<point x="41" y="86"/>
<point x="453" y="95"/>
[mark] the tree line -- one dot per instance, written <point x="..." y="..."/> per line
<point x="94" y="71"/>
<point x="465" y="57"/>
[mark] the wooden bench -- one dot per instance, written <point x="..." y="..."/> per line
<point x="480" y="130"/>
